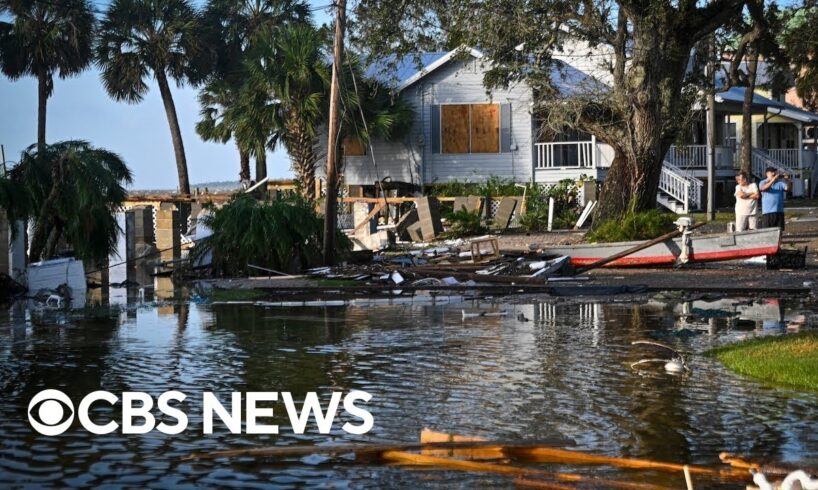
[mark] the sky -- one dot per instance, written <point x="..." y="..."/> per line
<point x="80" y="108"/>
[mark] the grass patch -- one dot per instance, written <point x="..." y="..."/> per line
<point x="234" y="294"/>
<point x="789" y="361"/>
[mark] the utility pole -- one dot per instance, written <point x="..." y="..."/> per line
<point x="331" y="203"/>
<point x="711" y="131"/>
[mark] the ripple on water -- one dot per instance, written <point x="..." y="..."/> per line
<point x="562" y="373"/>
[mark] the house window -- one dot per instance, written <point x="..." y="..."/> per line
<point x="354" y="147"/>
<point x="470" y="128"/>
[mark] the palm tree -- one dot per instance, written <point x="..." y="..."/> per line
<point x="234" y="28"/>
<point x="44" y="38"/>
<point x="159" y="38"/>
<point x="217" y="99"/>
<point x="71" y="190"/>
<point x="292" y="68"/>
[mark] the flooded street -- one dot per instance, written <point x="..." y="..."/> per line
<point x="540" y="371"/>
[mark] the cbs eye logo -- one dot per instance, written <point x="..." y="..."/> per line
<point x="50" y="412"/>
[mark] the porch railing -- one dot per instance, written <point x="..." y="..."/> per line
<point x="695" y="156"/>
<point x="762" y="160"/>
<point x="788" y="157"/>
<point x="565" y="154"/>
<point x="681" y="186"/>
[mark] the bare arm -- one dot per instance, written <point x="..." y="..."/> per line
<point x="769" y="183"/>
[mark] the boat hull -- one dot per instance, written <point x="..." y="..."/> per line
<point x="703" y="248"/>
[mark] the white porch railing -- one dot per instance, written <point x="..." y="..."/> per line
<point x="792" y="158"/>
<point x="695" y="156"/>
<point x="565" y="154"/>
<point x="681" y="186"/>
<point x="762" y="160"/>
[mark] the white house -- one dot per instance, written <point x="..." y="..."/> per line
<point x="464" y="132"/>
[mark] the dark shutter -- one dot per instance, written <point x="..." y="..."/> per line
<point x="505" y="128"/>
<point x="434" y="127"/>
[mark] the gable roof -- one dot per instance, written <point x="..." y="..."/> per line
<point x="774" y="107"/>
<point x="406" y="72"/>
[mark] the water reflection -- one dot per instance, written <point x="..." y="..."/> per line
<point x="541" y="371"/>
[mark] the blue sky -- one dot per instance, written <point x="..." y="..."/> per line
<point x="81" y="109"/>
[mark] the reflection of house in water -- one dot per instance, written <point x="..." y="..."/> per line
<point x="766" y="313"/>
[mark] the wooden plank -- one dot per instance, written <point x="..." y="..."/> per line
<point x="504" y="213"/>
<point x="485" y="128"/>
<point x="455" y="128"/>
<point x="375" y="210"/>
<point x="429" y="217"/>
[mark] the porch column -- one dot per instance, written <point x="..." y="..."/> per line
<point x="800" y="146"/>
<point x="593" y="151"/>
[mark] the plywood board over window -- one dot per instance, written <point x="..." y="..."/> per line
<point x="454" y="119"/>
<point x="485" y="128"/>
<point x="354" y="147"/>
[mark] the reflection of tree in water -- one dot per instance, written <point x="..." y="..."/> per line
<point x="70" y="358"/>
<point x="279" y="346"/>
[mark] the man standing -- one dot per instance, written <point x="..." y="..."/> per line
<point x="773" y="189"/>
<point x="746" y="199"/>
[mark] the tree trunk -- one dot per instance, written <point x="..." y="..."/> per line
<point x="747" y="116"/>
<point x="42" y="101"/>
<point x="175" y="133"/>
<point x="41" y="228"/>
<point x="244" y="162"/>
<point x="650" y="107"/>
<point x="261" y="164"/>
<point x="302" y="152"/>
<point x="53" y="239"/>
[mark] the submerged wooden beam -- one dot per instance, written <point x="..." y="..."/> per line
<point x="565" y="456"/>
<point x="290" y="451"/>
<point x="407" y="458"/>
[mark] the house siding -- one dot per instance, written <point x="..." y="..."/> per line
<point x="412" y="159"/>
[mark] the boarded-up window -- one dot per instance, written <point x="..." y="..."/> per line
<point x="454" y="128"/>
<point x="354" y="147"/>
<point x="485" y="128"/>
<point x="470" y="128"/>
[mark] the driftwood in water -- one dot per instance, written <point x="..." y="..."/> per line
<point x="564" y="456"/>
<point x="402" y="457"/>
<point x="779" y="469"/>
<point x="292" y="451"/>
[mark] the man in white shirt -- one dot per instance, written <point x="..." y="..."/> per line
<point x="746" y="202"/>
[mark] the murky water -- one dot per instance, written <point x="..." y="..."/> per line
<point x="542" y="371"/>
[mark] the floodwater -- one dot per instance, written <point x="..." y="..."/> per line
<point x="542" y="371"/>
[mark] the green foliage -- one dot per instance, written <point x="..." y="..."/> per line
<point x="78" y="206"/>
<point x="789" y="360"/>
<point x="280" y="235"/>
<point x="565" y="194"/>
<point x="463" y="223"/>
<point x="800" y="44"/>
<point x="493" y="186"/>
<point x="636" y="226"/>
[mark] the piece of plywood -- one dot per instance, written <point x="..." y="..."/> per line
<point x="429" y="217"/>
<point x="504" y="213"/>
<point x="485" y="128"/>
<point x="454" y="128"/>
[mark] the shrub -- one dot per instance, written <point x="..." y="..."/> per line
<point x="282" y="235"/>
<point x="463" y="223"/>
<point x="636" y="226"/>
<point x="565" y="194"/>
<point x="493" y="186"/>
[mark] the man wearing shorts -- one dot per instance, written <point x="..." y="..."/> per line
<point x="773" y="189"/>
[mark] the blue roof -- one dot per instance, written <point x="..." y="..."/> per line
<point x="736" y="95"/>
